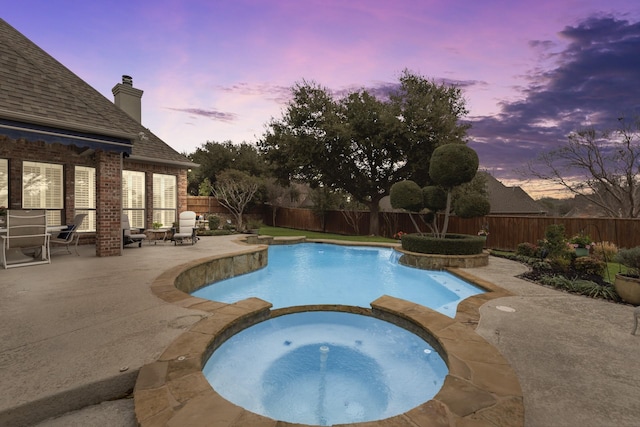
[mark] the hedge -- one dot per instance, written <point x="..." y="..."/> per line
<point x="452" y="244"/>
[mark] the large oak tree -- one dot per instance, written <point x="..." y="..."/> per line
<point x="360" y="144"/>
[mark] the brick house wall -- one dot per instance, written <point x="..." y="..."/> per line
<point x="108" y="235"/>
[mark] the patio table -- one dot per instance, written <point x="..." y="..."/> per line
<point x="157" y="234"/>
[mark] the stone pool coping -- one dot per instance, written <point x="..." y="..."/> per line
<point x="480" y="389"/>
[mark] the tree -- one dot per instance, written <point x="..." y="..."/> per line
<point x="352" y="211"/>
<point x="215" y="157"/>
<point x="359" y="144"/>
<point x="324" y="200"/>
<point x="235" y="190"/>
<point x="471" y="200"/>
<point x="278" y="196"/>
<point x="451" y="166"/>
<point x="601" y="166"/>
<point x="430" y="113"/>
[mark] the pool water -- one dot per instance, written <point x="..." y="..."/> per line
<point x="325" y="368"/>
<point x="316" y="273"/>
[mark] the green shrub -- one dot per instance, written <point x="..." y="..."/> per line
<point x="452" y="244"/>
<point x="527" y="249"/>
<point x="555" y="242"/>
<point x="630" y="258"/>
<point x="214" y="222"/>
<point x="406" y="195"/>
<point x="556" y="281"/>
<point x="589" y="265"/>
<point x="453" y="164"/>
<point x="434" y="198"/>
<point x="580" y="286"/>
<point x="594" y="290"/>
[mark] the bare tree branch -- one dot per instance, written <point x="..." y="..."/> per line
<point x="602" y="167"/>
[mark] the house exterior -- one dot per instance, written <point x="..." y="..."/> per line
<point x="511" y="200"/>
<point x="67" y="149"/>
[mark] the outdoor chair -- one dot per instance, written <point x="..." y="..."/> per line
<point x="69" y="235"/>
<point x="128" y="234"/>
<point x="26" y="241"/>
<point x="186" y="228"/>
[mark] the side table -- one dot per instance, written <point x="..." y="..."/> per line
<point x="154" y="235"/>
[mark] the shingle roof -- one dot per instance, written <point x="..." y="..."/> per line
<point x="35" y="86"/>
<point x="510" y="200"/>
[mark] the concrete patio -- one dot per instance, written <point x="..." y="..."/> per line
<point x="76" y="332"/>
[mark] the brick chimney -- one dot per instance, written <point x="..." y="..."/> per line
<point x="128" y="98"/>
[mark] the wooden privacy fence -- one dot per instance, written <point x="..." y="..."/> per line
<point x="211" y="205"/>
<point x="505" y="232"/>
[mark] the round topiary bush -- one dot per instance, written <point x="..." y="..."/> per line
<point x="453" y="164"/>
<point x="452" y="244"/>
<point x="434" y="198"/>
<point x="406" y="195"/>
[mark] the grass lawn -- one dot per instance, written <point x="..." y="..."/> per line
<point x="613" y="268"/>
<point x="280" y="232"/>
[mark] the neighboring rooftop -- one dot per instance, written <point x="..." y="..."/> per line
<point x="511" y="200"/>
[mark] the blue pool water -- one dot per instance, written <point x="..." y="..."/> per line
<point x="325" y="368"/>
<point x="314" y="273"/>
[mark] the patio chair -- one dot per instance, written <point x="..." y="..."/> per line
<point x="26" y="241"/>
<point x="186" y="228"/>
<point x="69" y="235"/>
<point x="128" y="234"/>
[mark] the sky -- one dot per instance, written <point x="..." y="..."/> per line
<point x="220" y="70"/>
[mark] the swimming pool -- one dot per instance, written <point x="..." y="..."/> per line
<point x="325" y="368"/>
<point x="320" y="273"/>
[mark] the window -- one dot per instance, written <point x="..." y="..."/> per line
<point x="164" y="199"/>
<point x="42" y="188"/>
<point x="4" y="183"/>
<point x="133" y="198"/>
<point x="85" y="196"/>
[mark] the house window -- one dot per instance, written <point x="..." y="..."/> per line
<point x="42" y="188"/>
<point x="85" y="196"/>
<point x="133" y="198"/>
<point x="164" y="199"/>
<point x="4" y="183"/>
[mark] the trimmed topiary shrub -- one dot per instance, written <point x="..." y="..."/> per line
<point x="434" y="198"/>
<point x="406" y="195"/>
<point x="452" y="244"/>
<point x="453" y="164"/>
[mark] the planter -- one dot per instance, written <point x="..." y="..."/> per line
<point x="628" y="288"/>
<point x="582" y="252"/>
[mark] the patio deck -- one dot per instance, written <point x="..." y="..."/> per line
<point x="76" y="332"/>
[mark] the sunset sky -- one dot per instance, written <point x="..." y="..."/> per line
<point x="219" y="70"/>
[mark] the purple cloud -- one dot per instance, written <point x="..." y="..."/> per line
<point x="210" y="114"/>
<point x="592" y="82"/>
